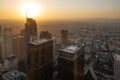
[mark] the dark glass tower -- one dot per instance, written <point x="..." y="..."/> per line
<point x="30" y="29"/>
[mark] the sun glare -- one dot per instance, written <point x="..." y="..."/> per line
<point x="31" y="9"/>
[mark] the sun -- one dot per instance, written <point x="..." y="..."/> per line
<point x="31" y="9"/>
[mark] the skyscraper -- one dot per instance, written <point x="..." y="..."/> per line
<point x="7" y="43"/>
<point x="117" y="67"/>
<point x="30" y="29"/>
<point x="19" y="50"/>
<point x="64" y="36"/>
<point x="45" y="34"/>
<point x="40" y="59"/>
<point x="71" y="62"/>
<point x="30" y="33"/>
<point x="22" y="32"/>
<point x="9" y="57"/>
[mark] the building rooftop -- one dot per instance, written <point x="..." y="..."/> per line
<point x="71" y="49"/>
<point x="37" y="42"/>
<point x="70" y="52"/>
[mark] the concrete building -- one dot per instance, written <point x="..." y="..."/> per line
<point x="45" y="34"/>
<point x="19" y="50"/>
<point x="40" y="59"/>
<point x="8" y="56"/>
<point x="64" y="36"/>
<point x="116" y="67"/>
<point x="7" y="43"/>
<point x="22" y="32"/>
<point x="71" y="62"/>
<point x="30" y="29"/>
<point x="14" y="75"/>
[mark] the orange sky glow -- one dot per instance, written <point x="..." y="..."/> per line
<point x="61" y="9"/>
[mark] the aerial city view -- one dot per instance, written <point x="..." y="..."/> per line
<point x="59" y="40"/>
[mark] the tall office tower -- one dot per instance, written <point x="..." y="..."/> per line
<point x="7" y="48"/>
<point x="22" y="32"/>
<point x="117" y="67"/>
<point x="64" y="35"/>
<point x="14" y="75"/>
<point x="71" y="62"/>
<point x="40" y="59"/>
<point x="30" y="29"/>
<point x="30" y="33"/>
<point x="45" y="34"/>
<point x="7" y="43"/>
<point x="19" y="50"/>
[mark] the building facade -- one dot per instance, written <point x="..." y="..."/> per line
<point x="19" y="50"/>
<point x="71" y="62"/>
<point x="7" y="43"/>
<point x="30" y="29"/>
<point x="64" y="36"/>
<point x="40" y="59"/>
<point x="117" y="67"/>
<point x="45" y="34"/>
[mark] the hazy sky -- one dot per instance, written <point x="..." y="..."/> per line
<point x="64" y="9"/>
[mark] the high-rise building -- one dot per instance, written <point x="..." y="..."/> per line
<point x="45" y="34"/>
<point x="14" y="75"/>
<point x="30" y="33"/>
<point x="64" y="35"/>
<point x="40" y="59"/>
<point x="116" y="67"/>
<point x="22" y="32"/>
<point x="7" y="42"/>
<point x="19" y="50"/>
<point x="71" y="62"/>
<point x="9" y="57"/>
<point x="30" y="29"/>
